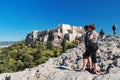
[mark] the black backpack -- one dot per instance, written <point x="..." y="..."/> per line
<point x="92" y="46"/>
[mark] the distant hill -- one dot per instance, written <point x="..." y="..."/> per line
<point x="6" y="43"/>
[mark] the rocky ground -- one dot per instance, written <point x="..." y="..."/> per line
<point x="66" y="66"/>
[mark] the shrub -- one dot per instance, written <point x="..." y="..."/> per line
<point x="70" y="45"/>
<point x="64" y="45"/>
<point x="107" y="36"/>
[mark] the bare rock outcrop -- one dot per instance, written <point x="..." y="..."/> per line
<point x="66" y="66"/>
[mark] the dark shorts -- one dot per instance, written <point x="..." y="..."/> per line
<point x="94" y="57"/>
<point x="86" y="54"/>
<point x="91" y="54"/>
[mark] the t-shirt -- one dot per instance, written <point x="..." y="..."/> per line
<point x="95" y="36"/>
<point x="86" y="40"/>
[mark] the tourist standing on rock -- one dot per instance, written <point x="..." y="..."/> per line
<point x="101" y="34"/>
<point x="86" y="55"/>
<point x="93" y="38"/>
<point x="114" y="29"/>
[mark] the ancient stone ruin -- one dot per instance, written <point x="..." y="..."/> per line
<point x="56" y="36"/>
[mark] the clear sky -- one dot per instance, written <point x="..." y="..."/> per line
<point x="19" y="17"/>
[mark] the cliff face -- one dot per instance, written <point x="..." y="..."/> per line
<point x="66" y="66"/>
<point x="56" y="35"/>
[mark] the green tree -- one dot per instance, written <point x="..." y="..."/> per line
<point x="21" y="55"/>
<point x="64" y="45"/>
<point x="71" y="45"/>
<point x="19" y="65"/>
<point x="50" y="45"/>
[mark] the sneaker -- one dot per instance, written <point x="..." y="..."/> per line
<point x="95" y="72"/>
<point x="82" y="70"/>
<point x="89" y="70"/>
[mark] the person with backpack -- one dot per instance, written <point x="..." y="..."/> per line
<point x="93" y="46"/>
<point x="86" y="55"/>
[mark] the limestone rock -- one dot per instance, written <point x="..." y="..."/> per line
<point x="66" y="66"/>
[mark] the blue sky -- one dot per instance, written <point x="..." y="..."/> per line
<point x="19" y="17"/>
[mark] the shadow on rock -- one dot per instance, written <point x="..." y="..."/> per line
<point x="62" y="68"/>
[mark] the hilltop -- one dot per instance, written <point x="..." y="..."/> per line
<point x="66" y="66"/>
<point x="37" y="48"/>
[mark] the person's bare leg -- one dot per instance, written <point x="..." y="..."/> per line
<point x="95" y="67"/>
<point x="90" y="62"/>
<point x="85" y="61"/>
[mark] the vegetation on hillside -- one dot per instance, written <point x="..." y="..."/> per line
<point x="21" y="55"/>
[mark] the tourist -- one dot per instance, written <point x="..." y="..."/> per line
<point x="101" y="34"/>
<point x="93" y="38"/>
<point x="86" y="55"/>
<point x="114" y="30"/>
